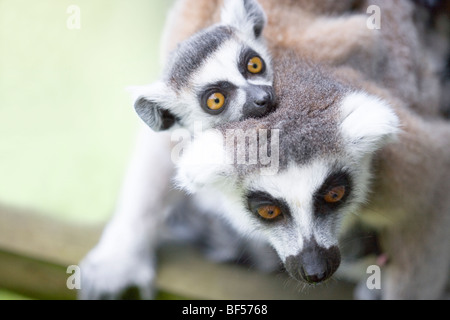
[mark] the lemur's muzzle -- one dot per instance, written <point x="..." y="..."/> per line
<point x="314" y="263"/>
<point x="260" y="101"/>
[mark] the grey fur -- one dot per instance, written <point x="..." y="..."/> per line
<point x="153" y="115"/>
<point x="256" y="14"/>
<point x="399" y="186"/>
<point x="305" y="102"/>
<point x="192" y="53"/>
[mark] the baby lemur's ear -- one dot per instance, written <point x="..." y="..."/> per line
<point x="245" y="15"/>
<point x="151" y="104"/>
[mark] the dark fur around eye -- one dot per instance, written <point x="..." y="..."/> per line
<point x="256" y="199"/>
<point x="244" y="57"/>
<point x="336" y="179"/>
<point x="226" y="88"/>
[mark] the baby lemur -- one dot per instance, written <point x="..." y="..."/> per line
<point x="220" y="74"/>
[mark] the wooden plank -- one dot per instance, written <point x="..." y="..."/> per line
<point x="185" y="272"/>
<point x="37" y="236"/>
<point x="35" y="252"/>
<point x="34" y="278"/>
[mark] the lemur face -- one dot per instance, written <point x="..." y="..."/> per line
<point x="299" y="212"/>
<point x="328" y="133"/>
<point x="219" y="75"/>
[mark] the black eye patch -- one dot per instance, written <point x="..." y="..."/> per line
<point x="258" y="199"/>
<point x="227" y="89"/>
<point x="244" y="58"/>
<point x="337" y="186"/>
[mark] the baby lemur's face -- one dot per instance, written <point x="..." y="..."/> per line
<point x="219" y="75"/>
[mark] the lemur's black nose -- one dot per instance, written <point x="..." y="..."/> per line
<point x="260" y="101"/>
<point x="314" y="263"/>
<point x="315" y="274"/>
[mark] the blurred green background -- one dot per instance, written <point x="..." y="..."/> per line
<point x="67" y="123"/>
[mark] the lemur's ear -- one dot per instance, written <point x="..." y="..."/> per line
<point x="367" y="123"/>
<point x="245" y="15"/>
<point x="151" y="105"/>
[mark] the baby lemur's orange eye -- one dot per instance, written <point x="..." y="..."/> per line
<point x="255" y="65"/>
<point x="335" y="195"/>
<point x="216" y="101"/>
<point x="269" y="212"/>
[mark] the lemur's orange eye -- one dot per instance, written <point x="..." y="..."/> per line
<point x="255" y="65"/>
<point x="335" y="195"/>
<point x="216" y="101"/>
<point x="269" y="212"/>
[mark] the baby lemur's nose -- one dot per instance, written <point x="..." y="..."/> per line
<point x="314" y="263"/>
<point x="260" y="101"/>
<point x="263" y="100"/>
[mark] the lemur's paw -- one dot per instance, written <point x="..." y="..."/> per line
<point x="116" y="277"/>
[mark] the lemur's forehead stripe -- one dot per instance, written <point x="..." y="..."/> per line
<point x="191" y="54"/>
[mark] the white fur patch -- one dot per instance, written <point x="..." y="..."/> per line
<point x="296" y="186"/>
<point x="234" y="13"/>
<point x="367" y="122"/>
<point x="203" y="163"/>
<point x="156" y="91"/>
